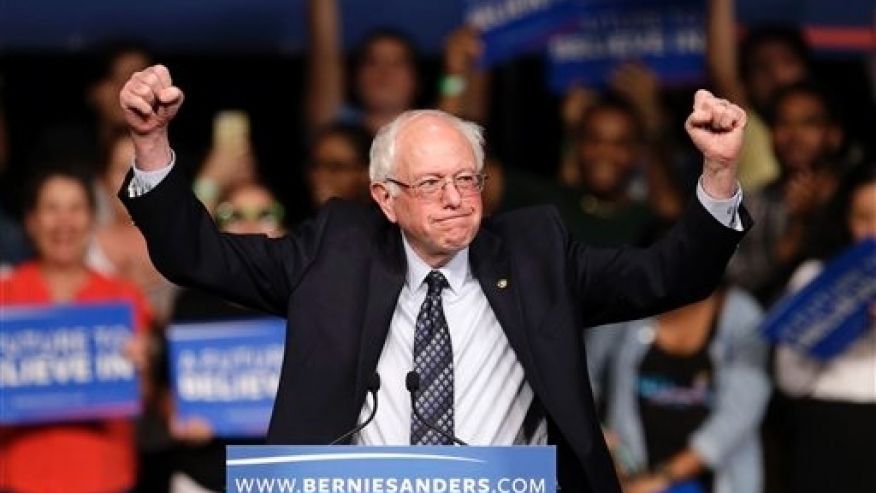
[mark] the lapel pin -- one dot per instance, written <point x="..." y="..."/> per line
<point x="502" y="283"/>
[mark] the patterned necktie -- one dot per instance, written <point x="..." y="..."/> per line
<point x="433" y="360"/>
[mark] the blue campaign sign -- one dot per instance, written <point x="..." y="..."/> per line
<point x="510" y="28"/>
<point x="686" y="487"/>
<point x="831" y="311"/>
<point x="66" y="363"/>
<point x="421" y="469"/>
<point x="667" y="36"/>
<point x="226" y="373"/>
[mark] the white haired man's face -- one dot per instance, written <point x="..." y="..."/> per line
<point x="438" y="226"/>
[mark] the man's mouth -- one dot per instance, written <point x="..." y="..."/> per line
<point x="450" y="217"/>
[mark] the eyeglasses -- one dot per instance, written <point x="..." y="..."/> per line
<point x="430" y="187"/>
<point x="226" y="214"/>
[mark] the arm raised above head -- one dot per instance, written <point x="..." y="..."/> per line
<point x="184" y="243"/>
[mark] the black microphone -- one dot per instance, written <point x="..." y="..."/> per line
<point x="373" y="387"/>
<point x="412" y="382"/>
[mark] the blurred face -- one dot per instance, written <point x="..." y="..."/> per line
<point x="105" y="94"/>
<point x="802" y="133"/>
<point x="862" y="213"/>
<point x="251" y="210"/>
<point x="439" y="226"/>
<point x="60" y="224"/>
<point x="774" y="64"/>
<point x="336" y="171"/>
<point x="607" y="152"/>
<point x="386" y="81"/>
<point x="120" y="158"/>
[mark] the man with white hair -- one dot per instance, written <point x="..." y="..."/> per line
<point x="480" y="318"/>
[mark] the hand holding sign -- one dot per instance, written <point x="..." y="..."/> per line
<point x="716" y="127"/>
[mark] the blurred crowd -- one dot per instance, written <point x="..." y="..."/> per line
<point x="693" y="396"/>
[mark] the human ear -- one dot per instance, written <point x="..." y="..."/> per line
<point x="380" y="194"/>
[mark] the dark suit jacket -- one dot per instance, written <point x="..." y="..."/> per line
<point x="337" y="279"/>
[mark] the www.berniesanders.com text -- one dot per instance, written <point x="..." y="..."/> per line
<point x="263" y="484"/>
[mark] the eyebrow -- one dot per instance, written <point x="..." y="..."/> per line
<point x="438" y="175"/>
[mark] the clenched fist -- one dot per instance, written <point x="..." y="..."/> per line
<point x="150" y="101"/>
<point x="716" y="127"/>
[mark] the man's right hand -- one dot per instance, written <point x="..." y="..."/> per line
<point x="150" y="101"/>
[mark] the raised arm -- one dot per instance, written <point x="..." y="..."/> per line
<point x="722" y="57"/>
<point x="689" y="261"/>
<point x="325" y="58"/>
<point x="465" y="89"/>
<point x="184" y="243"/>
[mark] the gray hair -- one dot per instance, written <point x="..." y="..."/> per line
<point x="383" y="148"/>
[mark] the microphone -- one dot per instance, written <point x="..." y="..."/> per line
<point x="412" y="382"/>
<point x="373" y="387"/>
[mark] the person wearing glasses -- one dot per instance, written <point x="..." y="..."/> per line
<point x="487" y="313"/>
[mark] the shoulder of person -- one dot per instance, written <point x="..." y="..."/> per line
<point x="18" y="281"/>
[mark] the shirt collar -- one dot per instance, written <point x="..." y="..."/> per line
<point x="456" y="270"/>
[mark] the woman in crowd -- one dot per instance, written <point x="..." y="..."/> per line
<point x="833" y="407"/>
<point x="83" y="457"/>
<point x="684" y="395"/>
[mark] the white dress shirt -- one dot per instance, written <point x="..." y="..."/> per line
<point x="491" y="395"/>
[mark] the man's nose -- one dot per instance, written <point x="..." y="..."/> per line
<point x="450" y="195"/>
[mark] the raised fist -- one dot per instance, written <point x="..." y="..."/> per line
<point x="716" y="126"/>
<point x="150" y="100"/>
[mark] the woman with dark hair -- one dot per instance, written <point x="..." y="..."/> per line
<point x="833" y="402"/>
<point x="83" y="457"/>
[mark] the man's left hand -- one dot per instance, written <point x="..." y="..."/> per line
<point x="716" y="127"/>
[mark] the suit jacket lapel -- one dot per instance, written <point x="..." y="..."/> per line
<point x="491" y="266"/>
<point x="384" y="283"/>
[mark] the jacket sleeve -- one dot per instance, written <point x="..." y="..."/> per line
<point x="684" y="266"/>
<point x="188" y="249"/>
<point x="742" y="387"/>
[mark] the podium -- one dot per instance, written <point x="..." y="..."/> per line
<point x="359" y="469"/>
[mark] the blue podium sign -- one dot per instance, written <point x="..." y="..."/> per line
<point x="66" y="363"/>
<point x="426" y="469"/>
<point x="510" y="28"/>
<point x="667" y="36"/>
<point x="832" y="310"/>
<point x="226" y="373"/>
